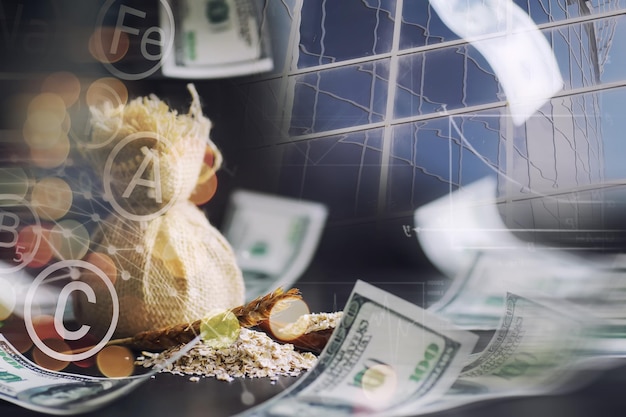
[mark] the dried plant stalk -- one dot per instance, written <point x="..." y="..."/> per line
<point x="314" y="341"/>
<point x="259" y="309"/>
<point x="249" y="315"/>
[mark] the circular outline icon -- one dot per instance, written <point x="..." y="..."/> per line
<point x="28" y="319"/>
<point x="28" y="259"/>
<point x="106" y="175"/>
<point x="169" y="46"/>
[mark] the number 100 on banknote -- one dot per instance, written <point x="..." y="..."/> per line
<point x="385" y="353"/>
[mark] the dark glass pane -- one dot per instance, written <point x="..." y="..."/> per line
<point x="340" y="171"/>
<point x="340" y="97"/>
<point x="334" y="31"/>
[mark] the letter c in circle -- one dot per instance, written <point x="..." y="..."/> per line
<point x="62" y="303"/>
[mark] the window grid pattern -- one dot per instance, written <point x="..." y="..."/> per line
<point x="411" y="74"/>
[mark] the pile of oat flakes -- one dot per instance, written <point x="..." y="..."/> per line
<point x="253" y="355"/>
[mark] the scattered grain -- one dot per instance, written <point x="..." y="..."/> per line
<point x="253" y="355"/>
<point x="322" y="321"/>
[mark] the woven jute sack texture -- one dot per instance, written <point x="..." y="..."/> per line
<point x="145" y="140"/>
<point x="170" y="264"/>
<point x="170" y="270"/>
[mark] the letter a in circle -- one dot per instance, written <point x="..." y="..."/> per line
<point x="150" y="156"/>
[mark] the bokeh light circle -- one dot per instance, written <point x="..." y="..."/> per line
<point x="107" y="90"/>
<point x="45" y="360"/>
<point x="379" y="383"/>
<point x="43" y="326"/>
<point x="208" y="165"/>
<point x="65" y="84"/>
<point x="51" y="198"/>
<point x="13" y="181"/>
<point x="116" y="361"/>
<point x="285" y="319"/>
<point x="204" y="191"/>
<point x="219" y="328"/>
<point x="79" y="346"/>
<point x="54" y="156"/>
<point x="69" y="240"/>
<point x="34" y="242"/>
<point x="247" y="398"/>
<point x="104" y="263"/>
<point x="8" y="298"/>
<point x="100" y="43"/>
<point x="49" y="103"/>
<point x="42" y="130"/>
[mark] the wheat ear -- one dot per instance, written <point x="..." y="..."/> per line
<point x="249" y="315"/>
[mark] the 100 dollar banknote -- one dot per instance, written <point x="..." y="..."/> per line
<point x="30" y="386"/>
<point x="385" y="353"/>
<point x="538" y="349"/>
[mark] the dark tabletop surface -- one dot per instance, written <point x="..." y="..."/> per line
<point x="602" y="393"/>
<point x="171" y="395"/>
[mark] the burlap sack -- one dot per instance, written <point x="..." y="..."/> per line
<point x="172" y="268"/>
<point x="124" y="137"/>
